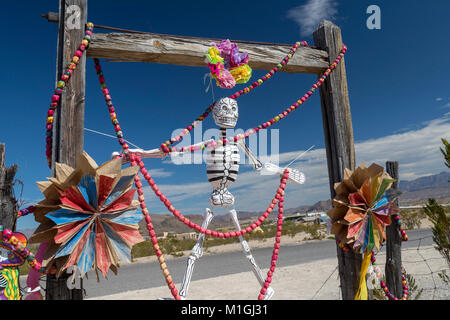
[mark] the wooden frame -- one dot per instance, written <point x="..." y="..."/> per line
<point x="157" y="48"/>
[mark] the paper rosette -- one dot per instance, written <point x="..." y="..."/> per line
<point x="362" y="207"/>
<point x="88" y="216"/>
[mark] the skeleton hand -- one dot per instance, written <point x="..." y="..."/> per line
<point x="294" y="174"/>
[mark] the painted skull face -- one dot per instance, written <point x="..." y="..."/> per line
<point x="226" y="113"/>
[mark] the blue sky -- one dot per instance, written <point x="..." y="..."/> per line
<point x="397" y="78"/>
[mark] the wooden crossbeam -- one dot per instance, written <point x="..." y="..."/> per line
<point x="190" y="51"/>
<point x="138" y="46"/>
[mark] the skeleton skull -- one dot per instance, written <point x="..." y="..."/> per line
<point x="226" y="113"/>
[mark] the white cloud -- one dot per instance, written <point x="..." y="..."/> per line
<point x="439" y="99"/>
<point x="160" y="173"/>
<point x="309" y="15"/>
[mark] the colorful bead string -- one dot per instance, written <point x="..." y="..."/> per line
<point x="402" y="231"/>
<point x="383" y="285"/>
<point x="201" y="146"/>
<point x="152" y="234"/>
<point x="55" y="100"/>
<point x="276" y="247"/>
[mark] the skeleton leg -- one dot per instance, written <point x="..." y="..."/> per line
<point x="249" y="256"/>
<point x="197" y="253"/>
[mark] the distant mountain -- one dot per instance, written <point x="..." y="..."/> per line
<point x="434" y="181"/>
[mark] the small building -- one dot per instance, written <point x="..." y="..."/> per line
<point x="186" y="236"/>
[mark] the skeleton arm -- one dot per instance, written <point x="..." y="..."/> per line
<point x="154" y="153"/>
<point x="257" y="165"/>
<point x="270" y="168"/>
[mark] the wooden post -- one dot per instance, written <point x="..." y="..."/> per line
<point x="393" y="267"/>
<point x="8" y="204"/>
<point x="69" y="118"/>
<point x="338" y="132"/>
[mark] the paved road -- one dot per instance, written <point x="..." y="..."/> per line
<point x="147" y="275"/>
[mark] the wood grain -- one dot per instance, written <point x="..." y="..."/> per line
<point x="338" y="134"/>
<point x="68" y="134"/>
<point x="393" y="267"/>
<point x="189" y="51"/>
<point x="8" y="204"/>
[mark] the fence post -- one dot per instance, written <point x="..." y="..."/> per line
<point x="69" y="118"/>
<point x="338" y="133"/>
<point x="393" y="267"/>
<point x="8" y="204"/>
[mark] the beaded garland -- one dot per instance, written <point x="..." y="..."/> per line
<point x="276" y="246"/>
<point x="55" y="100"/>
<point x="383" y="285"/>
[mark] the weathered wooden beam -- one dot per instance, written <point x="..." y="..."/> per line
<point x="139" y="46"/>
<point x="190" y="51"/>
<point x="68" y="126"/>
<point x="338" y="133"/>
<point x="393" y="267"/>
<point x="8" y="204"/>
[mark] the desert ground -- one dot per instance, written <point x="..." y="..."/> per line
<point x="307" y="281"/>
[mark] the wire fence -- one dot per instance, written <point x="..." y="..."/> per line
<point x="422" y="262"/>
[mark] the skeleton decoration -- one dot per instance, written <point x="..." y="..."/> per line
<point x="222" y="163"/>
<point x="222" y="166"/>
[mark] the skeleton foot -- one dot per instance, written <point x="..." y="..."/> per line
<point x="196" y="253"/>
<point x="248" y="254"/>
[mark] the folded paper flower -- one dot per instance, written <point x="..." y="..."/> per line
<point x="362" y="208"/>
<point x="227" y="65"/>
<point x="242" y="73"/>
<point x="89" y="216"/>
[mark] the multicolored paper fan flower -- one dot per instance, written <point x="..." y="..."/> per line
<point x="362" y="208"/>
<point x="89" y="216"/>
